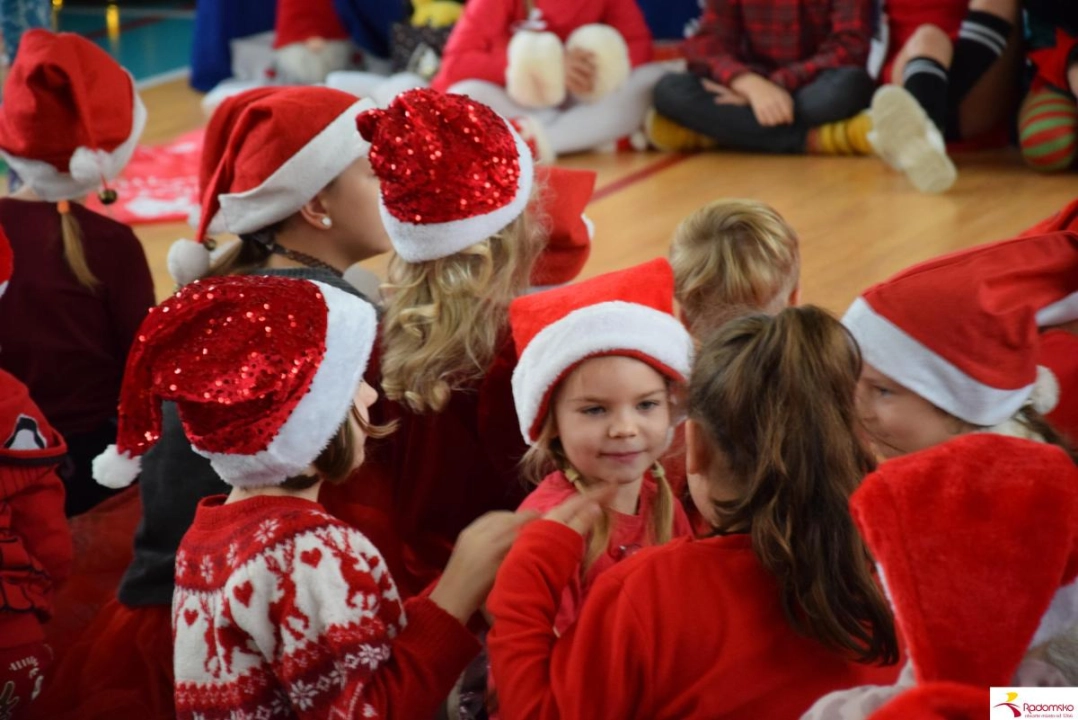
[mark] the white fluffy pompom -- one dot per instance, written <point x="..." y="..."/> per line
<point x="115" y="469"/>
<point x="611" y="57"/>
<point x="1045" y="394"/>
<point x="188" y="261"/>
<point x="535" y="74"/>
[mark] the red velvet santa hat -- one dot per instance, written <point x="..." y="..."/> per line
<point x="7" y="262"/>
<point x="218" y="132"/>
<point x="302" y="20"/>
<point x="71" y="118"/>
<point x="629" y="312"/>
<point x="263" y="371"/>
<point x="283" y="149"/>
<point x="566" y="193"/>
<point x="976" y="540"/>
<point x="961" y="330"/>
<point x="453" y="172"/>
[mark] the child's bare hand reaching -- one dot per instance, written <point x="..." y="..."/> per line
<point x="771" y="103"/>
<point x="581" y="511"/>
<point x="478" y="554"/>
<point x="579" y="71"/>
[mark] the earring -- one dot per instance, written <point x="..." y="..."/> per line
<point x="327" y="222"/>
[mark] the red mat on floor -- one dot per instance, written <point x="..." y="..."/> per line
<point x="160" y="184"/>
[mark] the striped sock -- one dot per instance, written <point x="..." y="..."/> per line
<point x="926" y="79"/>
<point x="1048" y="130"/>
<point x="845" y="137"/>
<point x="981" y="41"/>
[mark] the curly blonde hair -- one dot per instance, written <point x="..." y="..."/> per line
<point x="445" y="317"/>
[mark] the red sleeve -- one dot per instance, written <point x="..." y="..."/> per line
<point x="35" y="496"/>
<point x="478" y="46"/>
<point x="846" y="46"/>
<point x="594" y="670"/>
<point x="130" y="291"/>
<point x="625" y="17"/>
<point x="711" y="51"/>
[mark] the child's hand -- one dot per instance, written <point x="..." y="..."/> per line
<point x="724" y="95"/>
<point x="581" y="511"/>
<point x="579" y="71"/>
<point x="478" y="554"/>
<point x="771" y="103"/>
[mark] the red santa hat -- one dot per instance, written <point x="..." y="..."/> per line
<point x="71" y="118"/>
<point x="629" y="312"/>
<point x="26" y="437"/>
<point x="302" y="20"/>
<point x="453" y="172"/>
<point x="961" y="331"/>
<point x="263" y="371"/>
<point x="7" y="262"/>
<point x="977" y="544"/>
<point x="284" y="148"/>
<point x="566" y="193"/>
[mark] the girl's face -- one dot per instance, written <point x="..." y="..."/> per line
<point x="352" y="203"/>
<point x="613" y="417"/>
<point x="364" y="398"/>
<point x="898" y="421"/>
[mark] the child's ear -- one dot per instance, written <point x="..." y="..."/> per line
<point x="315" y="213"/>
<point x="697" y="450"/>
<point x="795" y="296"/>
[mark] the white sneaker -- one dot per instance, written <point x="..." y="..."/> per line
<point x="904" y="137"/>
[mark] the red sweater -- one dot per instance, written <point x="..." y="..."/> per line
<point x="67" y="343"/>
<point x="692" y="629"/>
<point x="478" y="46"/>
<point x="281" y="611"/>
<point x="35" y="542"/>
<point x="628" y="534"/>
<point x="418" y="488"/>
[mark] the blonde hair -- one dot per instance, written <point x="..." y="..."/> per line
<point x="729" y="256"/>
<point x="74" y="253"/>
<point x="548" y="455"/>
<point x="445" y="317"/>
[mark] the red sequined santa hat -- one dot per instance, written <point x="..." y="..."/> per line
<point x="71" y="118"/>
<point x="283" y="150"/>
<point x="961" y="331"/>
<point x="217" y="135"/>
<point x="566" y="193"/>
<point x="628" y="313"/>
<point x="976" y="541"/>
<point x="453" y="172"/>
<point x="7" y="262"/>
<point x="302" y="20"/>
<point x="263" y="371"/>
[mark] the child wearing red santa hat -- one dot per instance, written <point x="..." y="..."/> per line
<point x="456" y="181"/>
<point x="692" y="629"/>
<point x="976" y="543"/>
<point x="280" y="608"/>
<point x="35" y="543"/>
<point x="70" y="121"/>
<point x="952" y="345"/>
<point x="579" y="70"/>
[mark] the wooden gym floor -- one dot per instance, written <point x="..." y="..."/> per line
<point x="858" y="221"/>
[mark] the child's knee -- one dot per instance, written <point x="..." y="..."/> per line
<point x="930" y="41"/>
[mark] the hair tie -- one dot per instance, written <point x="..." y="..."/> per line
<point x="63" y="207"/>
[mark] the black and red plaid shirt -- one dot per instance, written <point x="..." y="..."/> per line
<point x="787" y="41"/>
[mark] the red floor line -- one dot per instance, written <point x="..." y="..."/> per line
<point x="642" y="174"/>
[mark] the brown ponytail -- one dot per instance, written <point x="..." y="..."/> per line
<point x="776" y="397"/>
<point x="74" y="253"/>
<point x="246" y="256"/>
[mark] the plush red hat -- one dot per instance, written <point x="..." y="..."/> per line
<point x="263" y="371"/>
<point x="26" y="437"/>
<point x="453" y="172"/>
<point x="629" y="312"/>
<point x="937" y="701"/>
<point x="71" y="118"/>
<point x="961" y="331"/>
<point x="302" y="20"/>
<point x="565" y="196"/>
<point x="7" y="262"/>
<point x="976" y="540"/>
<point x="284" y="148"/>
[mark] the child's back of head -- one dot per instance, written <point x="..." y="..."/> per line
<point x="731" y="256"/>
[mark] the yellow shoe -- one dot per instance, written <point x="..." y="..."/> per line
<point x="667" y="135"/>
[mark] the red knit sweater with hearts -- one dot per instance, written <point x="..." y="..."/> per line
<point x="281" y="611"/>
